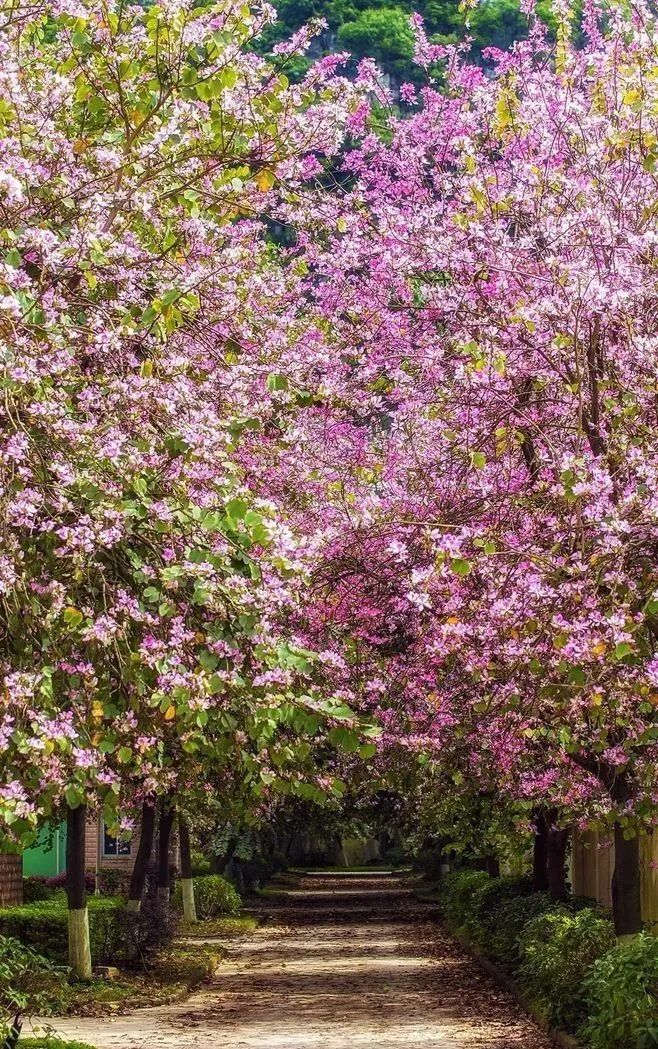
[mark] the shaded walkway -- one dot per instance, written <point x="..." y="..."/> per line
<point x="342" y="962"/>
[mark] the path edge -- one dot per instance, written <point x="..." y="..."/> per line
<point x="558" y="1036"/>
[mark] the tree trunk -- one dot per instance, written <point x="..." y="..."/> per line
<point x="187" y="881"/>
<point x="626" y="907"/>
<point x="143" y="857"/>
<point x="165" y="827"/>
<point x="493" y="866"/>
<point x="220" y="863"/>
<point x="540" y="854"/>
<point x="558" y="840"/>
<point x="76" y="891"/>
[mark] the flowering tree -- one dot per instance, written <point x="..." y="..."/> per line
<point x="482" y="296"/>
<point x="140" y="578"/>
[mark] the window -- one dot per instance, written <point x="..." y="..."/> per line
<point x="114" y="846"/>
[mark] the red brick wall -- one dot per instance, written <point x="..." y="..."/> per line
<point x="11" y="880"/>
<point x="94" y="849"/>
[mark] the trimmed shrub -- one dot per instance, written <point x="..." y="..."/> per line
<point x="556" y="951"/>
<point x="214" y="896"/>
<point x="58" y="881"/>
<point x="621" y="996"/>
<point x="456" y="893"/>
<point x="488" y="898"/>
<point x="505" y="926"/>
<point x="44" y="927"/>
<point x="113" y="882"/>
<point x="36" y="889"/>
<point x="473" y="902"/>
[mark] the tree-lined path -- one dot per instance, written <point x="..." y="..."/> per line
<point x="346" y="963"/>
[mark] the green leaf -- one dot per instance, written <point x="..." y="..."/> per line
<point x="277" y="382"/>
<point x="479" y="460"/>
<point x="72" y="617"/>
<point x="236" y="509"/>
<point x="345" y="739"/>
<point x="577" y="676"/>
<point x="208" y="660"/>
<point x="73" y="797"/>
<point x="460" y="566"/>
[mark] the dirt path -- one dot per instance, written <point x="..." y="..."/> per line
<point x="345" y="962"/>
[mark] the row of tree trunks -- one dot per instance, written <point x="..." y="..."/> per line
<point x="143" y="857"/>
<point x="549" y="867"/>
<point x="166" y="825"/>
<point x="78" y="910"/>
<point x="549" y="860"/>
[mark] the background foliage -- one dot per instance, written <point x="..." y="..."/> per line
<point x="380" y="29"/>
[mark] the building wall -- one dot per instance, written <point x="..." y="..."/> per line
<point x="95" y="856"/>
<point x="47" y="857"/>
<point x="11" y="880"/>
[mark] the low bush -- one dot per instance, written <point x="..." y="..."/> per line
<point x="556" y="951"/>
<point x="456" y="895"/>
<point x="214" y="897"/>
<point x="507" y="923"/>
<point x="43" y="926"/>
<point x="112" y="882"/>
<point x="58" y="881"/>
<point x="473" y="902"/>
<point x="621" y="996"/>
<point x="26" y="978"/>
<point x="36" y="889"/>
<point x="489" y="897"/>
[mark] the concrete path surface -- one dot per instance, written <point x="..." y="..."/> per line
<point x="342" y="962"/>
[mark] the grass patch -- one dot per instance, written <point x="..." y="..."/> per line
<point x="218" y="928"/>
<point x="175" y="971"/>
<point x="51" y="1043"/>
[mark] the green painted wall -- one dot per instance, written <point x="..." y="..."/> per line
<point x="48" y="856"/>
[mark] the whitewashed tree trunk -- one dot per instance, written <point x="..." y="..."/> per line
<point x="189" y="903"/>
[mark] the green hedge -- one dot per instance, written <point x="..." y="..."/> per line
<point x="43" y="925"/>
<point x="621" y="996"/>
<point x="458" y="895"/>
<point x="564" y="957"/>
<point x="557" y="950"/>
<point x="507" y="924"/>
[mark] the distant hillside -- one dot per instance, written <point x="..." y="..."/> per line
<point x="380" y="28"/>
